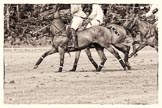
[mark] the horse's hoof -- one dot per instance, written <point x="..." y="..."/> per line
<point x="58" y="71"/>
<point x="125" y="69"/>
<point x="130" y="55"/>
<point x="135" y="55"/>
<point x="72" y="70"/>
<point x="98" y="69"/>
<point x="35" y="67"/>
<point x="129" y="67"/>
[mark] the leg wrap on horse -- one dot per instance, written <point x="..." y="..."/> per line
<point x="60" y="66"/>
<point x="122" y="63"/>
<point x="41" y="57"/>
<point x="39" y="61"/>
<point x="101" y="65"/>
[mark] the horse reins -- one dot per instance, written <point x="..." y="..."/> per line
<point x="59" y="30"/>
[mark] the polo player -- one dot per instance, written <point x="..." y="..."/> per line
<point x="96" y="16"/>
<point x="154" y="11"/>
<point x="78" y="17"/>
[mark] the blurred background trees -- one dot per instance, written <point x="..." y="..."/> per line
<point x="21" y="20"/>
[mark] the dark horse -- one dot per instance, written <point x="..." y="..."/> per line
<point x="148" y="33"/>
<point x="99" y="36"/>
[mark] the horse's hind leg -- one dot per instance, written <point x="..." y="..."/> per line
<point x="90" y="58"/>
<point x="51" y="51"/>
<point x="102" y="56"/>
<point x="125" y="49"/>
<point x="116" y="54"/>
<point x="77" y="56"/>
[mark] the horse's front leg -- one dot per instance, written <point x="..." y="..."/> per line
<point x="77" y="56"/>
<point x="134" y="47"/>
<point x="51" y="51"/>
<point x="141" y="46"/>
<point x="90" y="58"/>
<point x="62" y="54"/>
<point x="102" y="56"/>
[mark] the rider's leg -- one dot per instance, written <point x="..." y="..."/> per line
<point x="93" y="23"/>
<point x="75" y="37"/>
<point x="76" y="23"/>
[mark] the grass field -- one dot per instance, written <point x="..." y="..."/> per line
<point x="113" y="85"/>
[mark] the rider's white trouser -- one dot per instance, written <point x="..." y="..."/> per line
<point x="76" y="22"/>
<point x="93" y="23"/>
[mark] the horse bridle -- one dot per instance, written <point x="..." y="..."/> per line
<point x="59" y="30"/>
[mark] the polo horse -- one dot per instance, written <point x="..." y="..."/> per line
<point x="148" y="33"/>
<point x="99" y="36"/>
<point x="131" y="32"/>
<point x="118" y="37"/>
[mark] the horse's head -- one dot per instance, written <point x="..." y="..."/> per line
<point x="132" y="23"/>
<point x="50" y="14"/>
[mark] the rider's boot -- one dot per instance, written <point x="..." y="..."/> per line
<point x="75" y="38"/>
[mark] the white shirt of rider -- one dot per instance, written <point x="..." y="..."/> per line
<point x="152" y="7"/>
<point x="76" y="10"/>
<point x="97" y="13"/>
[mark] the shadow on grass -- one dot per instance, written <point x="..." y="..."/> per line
<point x="102" y="71"/>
